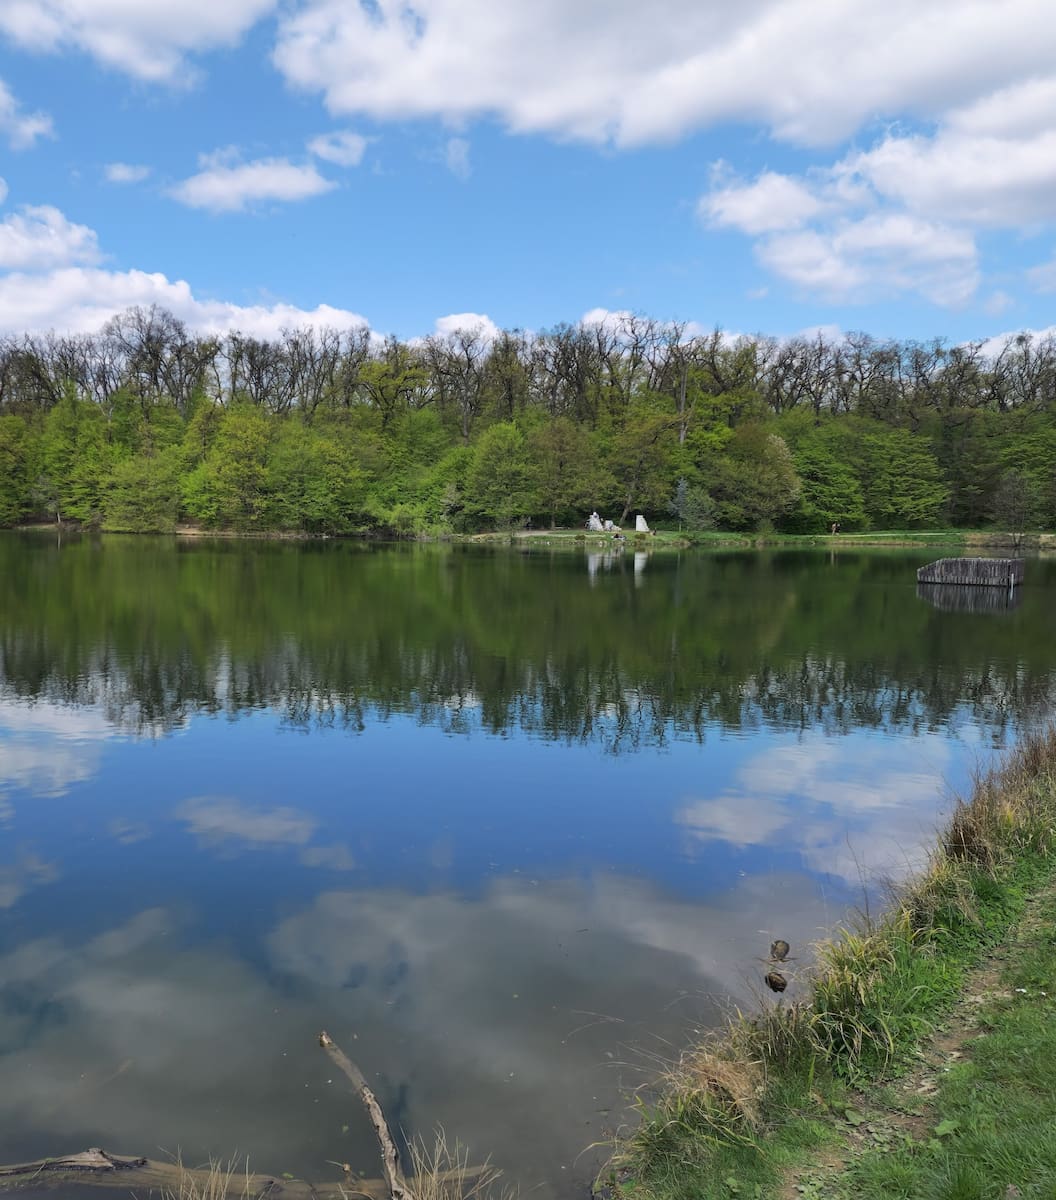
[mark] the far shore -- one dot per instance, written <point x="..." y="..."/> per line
<point x="985" y="540"/>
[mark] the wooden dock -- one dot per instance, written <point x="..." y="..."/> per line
<point x="974" y="572"/>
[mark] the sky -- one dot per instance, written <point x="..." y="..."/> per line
<point x="776" y="167"/>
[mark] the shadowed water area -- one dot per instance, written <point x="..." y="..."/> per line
<point x="510" y="824"/>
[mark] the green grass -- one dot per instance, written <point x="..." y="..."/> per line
<point x="735" y="1113"/>
<point x="993" y="1122"/>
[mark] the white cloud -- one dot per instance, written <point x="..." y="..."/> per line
<point x="222" y="818"/>
<point x="342" y="147"/>
<point x="857" y="808"/>
<point x="81" y="300"/>
<point x="811" y="71"/>
<point x="881" y="254"/>
<point x="39" y="238"/>
<point x="956" y="174"/>
<point x="20" y="128"/>
<point x="456" y="157"/>
<point x="148" y="41"/>
<point x="119" y="172"/>
<point x="17" y="878"/>
<point x="770" y="203"/>
<point x="903" y="215"/>
<point x="224" y="185"/>
<point x="468" y="321"/>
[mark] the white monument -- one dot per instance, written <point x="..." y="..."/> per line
<point x="594" y="523"/>
<point x="640" y="524"/>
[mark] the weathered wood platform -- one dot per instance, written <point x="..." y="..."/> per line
<point x="961" y="598"/>
<point x="974" y="572"/>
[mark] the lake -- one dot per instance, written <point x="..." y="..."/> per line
<point x="511" y="824"/>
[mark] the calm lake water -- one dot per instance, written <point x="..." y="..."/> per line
<point x="511" y="825"/>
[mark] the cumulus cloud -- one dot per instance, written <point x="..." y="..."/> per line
<point x="222" y="818"/>
<point x="342" y="147"/>
<point x="769" y="203"/>
<point x="882" y="254"/>
<point x="119" y="172"/>
<point x="40" y="237"/>
<point x="82" y="299"/>
<point x="148" y="41"/>
<point x="227" y="185"/>
<point x="17" y="878"/>
<point x="857" y="808"/>
<point x="467" y="321"/>
<point x="595" y="71"/>
<point x="904" y="214"/>
<point x="21" y="129"/>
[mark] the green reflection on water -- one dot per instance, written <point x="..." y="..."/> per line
<point x="624" y="650"/>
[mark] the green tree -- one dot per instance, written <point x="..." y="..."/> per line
<point x="229" y="486"/>
<point x="755" y="482"/>
<point x="500" y="488"/>
<point x="17" y="453"/>
<point x="564" y="472"/>
<point x="313" y="482"/>
<point x="143" y="493"/>
<point x="829" y="490"/>
<point x="1016" y="505"/>
<point x="692" y="507"/>
<point x="76" y="460"/>
<point x="903" y="484"/>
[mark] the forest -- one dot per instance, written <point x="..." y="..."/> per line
<point x="149" y="426"/>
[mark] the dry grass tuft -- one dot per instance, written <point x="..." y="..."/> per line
<point x="442" y="1171"/>
<point x="223" y="1181"/>
<point x="725" y="1087"/>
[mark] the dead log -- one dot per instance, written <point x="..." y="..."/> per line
<point x="390" y="1155"/>
<point x="99" y="1168"/>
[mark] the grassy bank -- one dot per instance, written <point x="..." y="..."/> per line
<point x="942" y="540"/>
<point x="742" y="1114"/>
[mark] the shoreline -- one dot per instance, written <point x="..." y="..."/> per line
<point x="756" y="1102"/>
<point x="661" y="539"/>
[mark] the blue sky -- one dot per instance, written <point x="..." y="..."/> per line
<point x="790" y="165"/>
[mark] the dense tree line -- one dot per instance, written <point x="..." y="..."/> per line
<point x="146" y="424"/>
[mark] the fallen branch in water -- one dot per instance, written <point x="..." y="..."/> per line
<point x="99" y="1168"/>
<point x="390" y="1155"/>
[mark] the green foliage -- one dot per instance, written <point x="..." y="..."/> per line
<point x="565" y="475"/>
<point x="76" y="458"/>
<point x="312" y="482"/>
<point x="500" y="483"/>
<point x="829" y="488"/>
<point x="1017" y="502"/>
<point x="229" y="486"/>
<point x="692" y="507"/>
<point x="18" y="448"/>
<point x="143" y="494"/>
<point x="754" y="483"/>
<point x="881" y="434"/>
<point x="903" y="485"/>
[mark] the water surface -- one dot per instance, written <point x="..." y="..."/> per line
<point x="510" y="824"/>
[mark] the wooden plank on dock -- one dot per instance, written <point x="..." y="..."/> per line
<point x="974" y="572"/>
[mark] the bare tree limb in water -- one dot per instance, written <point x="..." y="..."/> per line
<point x="390" y="1155"/>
